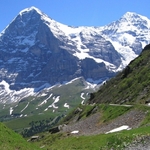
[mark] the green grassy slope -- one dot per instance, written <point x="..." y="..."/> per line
<point x="21" y="120"/>
<point x="132" y="85"/>
<point x="116" y="141"/>
<point x="9" y="140"/>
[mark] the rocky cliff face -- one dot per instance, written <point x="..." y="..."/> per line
<point x="32" y="54"/>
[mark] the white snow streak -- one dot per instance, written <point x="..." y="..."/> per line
<point x="124" y="127"/>
<point x="11" y="110"/>
<point x="6" y="86"/>
<point x="71" y="81"/>
<point x="66" y="105"/>
<point x="14" y="95"/>
<point x="82" y="96"/>
<point x="25" y="107"/>
<point x="21" y="115"/>
<point x="56" y="100"/>
<point x="45" y="101"/>
<point x="75" y="132"/>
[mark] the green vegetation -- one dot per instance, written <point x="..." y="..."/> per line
<point x="108" y="112"/>
<point x="23" y="116"/>
<point x="111" y="112"/>
<point x="131" y="86"/>
<point x="40" y="126"/>
<point x="31" y="125"/>
<point x="146" y="109"/>
<point x="9" y="140"/>
<point x="115" y="141"/>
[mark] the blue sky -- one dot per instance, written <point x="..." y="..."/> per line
<point x="75" y="12"/>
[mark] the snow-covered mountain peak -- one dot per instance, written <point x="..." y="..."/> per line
<point x="134" y="16"/>
<point x="30" y="10"/>
<point x="27" y="20"/>
<point x="134" y="19"/>
<point x="34" y="16"/>
<point x="128" y="35"/>
<point x="130" y="15"/>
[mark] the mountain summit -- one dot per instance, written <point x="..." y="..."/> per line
<point x="30" y="10"/>
<point x="37" y="51"/>
<point x="129" y="35"/>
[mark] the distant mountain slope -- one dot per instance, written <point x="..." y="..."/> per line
<point x="132" y="85"/>
<point x="46" y="107"/>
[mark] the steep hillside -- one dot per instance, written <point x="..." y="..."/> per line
<point x="9" y="140"/>
<point x="95" y="125"/>
<point x="132" y="85"/>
